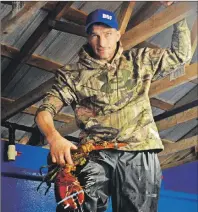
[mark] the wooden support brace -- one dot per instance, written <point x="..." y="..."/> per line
<point x="156" y="24"/>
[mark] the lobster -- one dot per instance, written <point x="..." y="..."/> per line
<point x="68" y="191"/>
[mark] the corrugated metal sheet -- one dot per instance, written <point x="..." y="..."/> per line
<point x="175" y="94"/>
<point x="22" y="32"/>
<point x="177" y="132"/>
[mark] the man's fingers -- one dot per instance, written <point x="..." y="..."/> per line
<point x="61" y="160"/>
<point x="74" y="146"/>
<point x="53" y="158"/>
<point x="68" y="158"/>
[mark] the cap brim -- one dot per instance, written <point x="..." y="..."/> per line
<point x="93" y="22"/>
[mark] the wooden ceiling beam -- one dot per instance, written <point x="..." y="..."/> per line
<point x="165" y="84"/>
<point x="145" y="12"/>
<point x="171" y="148"/>
<point x="31" y="44"/>
<point x="161" y="104"/>
<point x="177" y="110"/>
<point x="74" y="15"/>
<point x="68" y="27"/>
<point x="34" y="60"/>
<point x="10" y="21"/>
<point x="189" y="159"/>
<point x="79" y="30"/>
<point x="124" y="15"/>
<point x="156" y="24"/>
<point x="177" y="119"/>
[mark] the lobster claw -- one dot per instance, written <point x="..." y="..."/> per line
<point x="68" y="190"/>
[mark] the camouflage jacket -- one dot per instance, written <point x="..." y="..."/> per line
<point x="110" y="100"/>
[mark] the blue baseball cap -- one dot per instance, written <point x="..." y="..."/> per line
<point x="103" y="16"/>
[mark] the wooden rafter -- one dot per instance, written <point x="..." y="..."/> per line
<point x="160" y="104"/>
<point x="145" y="12"/>
<point x="156" y="24"/>
<point x="180" y="162"/>
<point x="34" y="60"/>
<point x="72" y="14"/>
<point x="31" y="44"/>
<point x="171" y="148"/>
<point x="165" y="84"/>
<point x="177" y="119"/>
<point x="176" y="157"/>
<point x="125" y="14"/>
<point x="176" y="110"/>
<point x="68" y="27"/>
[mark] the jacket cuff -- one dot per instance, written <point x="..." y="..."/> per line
<point x="181" y="26"/>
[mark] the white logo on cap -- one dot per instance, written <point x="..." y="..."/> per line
<point x="106" y="16"/>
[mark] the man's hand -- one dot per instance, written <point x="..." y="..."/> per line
<point x="60" y="149"/>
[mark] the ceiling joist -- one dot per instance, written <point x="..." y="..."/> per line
<point x="161" y="104"/>
<point x="179" y="118"/>
<point x="165" y="84"/>
<point x="125" y="14"/>
<point x="145" y="12"/>
<point x="68" y="27"/>
<point x="179" y="162"/>
<point x="170" y="148"/>
<point x="156" y="24"/>
<point x="34" y="60"/>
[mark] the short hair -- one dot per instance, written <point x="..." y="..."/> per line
<point x="89" y="30"/>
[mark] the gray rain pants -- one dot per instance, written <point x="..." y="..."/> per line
<point x="132" y="179"/>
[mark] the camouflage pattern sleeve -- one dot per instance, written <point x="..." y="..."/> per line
<point x="60" y="95"/>
<point x="160" y="62"/>
<point x="51" y="104"/>
<point x="178" y="54"/>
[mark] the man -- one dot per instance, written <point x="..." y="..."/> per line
<point x="108" y="90"/>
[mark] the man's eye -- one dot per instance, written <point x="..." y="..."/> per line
<point x="93" y="35"/>
<point x="108" y="33"/>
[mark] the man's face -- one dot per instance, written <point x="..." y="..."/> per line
<point x="103" y="41"/>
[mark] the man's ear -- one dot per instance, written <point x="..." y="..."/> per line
<point x="118" y="35"/>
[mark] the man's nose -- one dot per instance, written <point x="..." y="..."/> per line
<point x="102" y="41"/>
